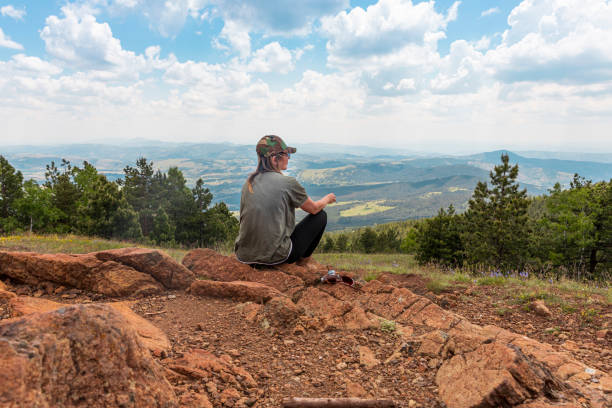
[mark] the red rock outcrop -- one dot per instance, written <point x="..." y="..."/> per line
<point x="78" y="356"/>
<point x="151" y="336"/>
<point x="159" y="265"/>
<point x="209" y="264"/>
<point x="239" y="290"/>
<point x="218" y="373"/>
<point x="120" y="272"/>
<point x="483" y="366"/>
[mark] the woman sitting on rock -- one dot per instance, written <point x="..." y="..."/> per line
<point x="268" y="234"/>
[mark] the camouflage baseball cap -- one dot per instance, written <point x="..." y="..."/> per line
<point x="271" y="144"/>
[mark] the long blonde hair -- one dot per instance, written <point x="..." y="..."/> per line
<point x="264" y="165"/>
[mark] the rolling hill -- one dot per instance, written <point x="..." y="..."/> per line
<point x="373" y="185"/>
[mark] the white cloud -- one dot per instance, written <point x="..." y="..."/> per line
<point x="384" y="28"/>
<point x="164" y="16"/>
<point x="10" y="11"/>
<point x="236" y="37"/>
<point x="557" y="41"/>
<point x="6" y="42"/>
<point x="461" y="71"/>
<point x="332" y="95"/>
<point x="488" y="12"/>
<point x="24" y="64"/>
<point x="79" y="42"/>
<point x="300" y="51"/>
<point x="288" y="17"/>
<point x="389" y="41"/>
<point x="272" y="58"/>
<point x="483" y="44"/>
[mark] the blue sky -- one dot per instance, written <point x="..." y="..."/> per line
<point x="440" y="76"/>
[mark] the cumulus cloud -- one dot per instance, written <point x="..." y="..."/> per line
<point x="6" y="42"/>
<point x="288" y="17"/>
<point x="78" y="41"/>
<point x="488" y="12"/>
<point x="234" y="37"/>
<point x="331" y="94"/>
<point x="384" y="28"/>
<point x="556" y="40"/>
<point x="23" y="64"/>
<point x="10" y="11"/>
<point x="272" y="58"/>
<point x="285" y="17"/>
<point x="389" y="41"/>
<point x="461" y="71"/>
<point x="165" y="17"/>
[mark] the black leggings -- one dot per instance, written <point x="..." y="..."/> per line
<point x="306" y="236"/>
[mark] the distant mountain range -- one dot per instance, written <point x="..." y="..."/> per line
<point x="373" y="185"/>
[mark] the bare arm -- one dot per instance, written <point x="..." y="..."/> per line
<point x="314" y="207"/>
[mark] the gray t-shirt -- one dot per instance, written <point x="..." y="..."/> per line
<point x="267" y="218"/>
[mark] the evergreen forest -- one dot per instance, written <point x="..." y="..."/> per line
<point x="144" y="206"/>
<point x="565" y="233"/>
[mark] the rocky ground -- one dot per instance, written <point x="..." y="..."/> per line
<point x="284" y="336"/>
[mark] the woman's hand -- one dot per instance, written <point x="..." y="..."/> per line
<point x="314" y="207"/>
<point x="330" y="198"/>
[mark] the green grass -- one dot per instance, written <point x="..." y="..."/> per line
<point x="72" y="244"/>
<point x="520" y="289"/>
<point x="394" y="263"/>
<point x="492" y="281"/>
<point x="438" y="286"/>
<point x="502" y="311"/>
<point x="387" y="326"/>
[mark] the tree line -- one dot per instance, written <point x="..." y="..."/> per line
<point x="145" y="206"/>
<point x="567" y="232"/>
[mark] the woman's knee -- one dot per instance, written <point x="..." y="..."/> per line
<point x="322" y="215"/>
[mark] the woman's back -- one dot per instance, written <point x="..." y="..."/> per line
<point x="267" y="218"/>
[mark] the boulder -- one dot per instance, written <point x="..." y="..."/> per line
<point x="493" y="375"/>
<point x="239" y="290"/>
<point x="207" y="263"/>
<point x="276" y="279"/>
<point x="78" y="356"/>
<point x="282" y="312"/>
<point x="367" y="357"/>
<point x="85" y="272"/>
<point x="539" y="307"/>
<point x="158" y="264"/>
<point x="333" y="313"/>
<point x="309" y="276"/>
<point x="151" y="336"/>
<point x="203" y="366"/>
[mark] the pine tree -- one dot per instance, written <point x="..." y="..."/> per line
<point x="342" y="243"/>
<point x="163" y="230"/>
<point x="65" y="194"/>
<point x="181" y="207"/>
<point x="496" y="231"/>
<point x="36" y="209"/>
<point x="328" y="244"/>
<point x="125" y="223"/>
<point x="575" y="230"/>
<point x="367" y="240"/>
<point x="10" y="190"/>
<point x="438" y="239"/>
